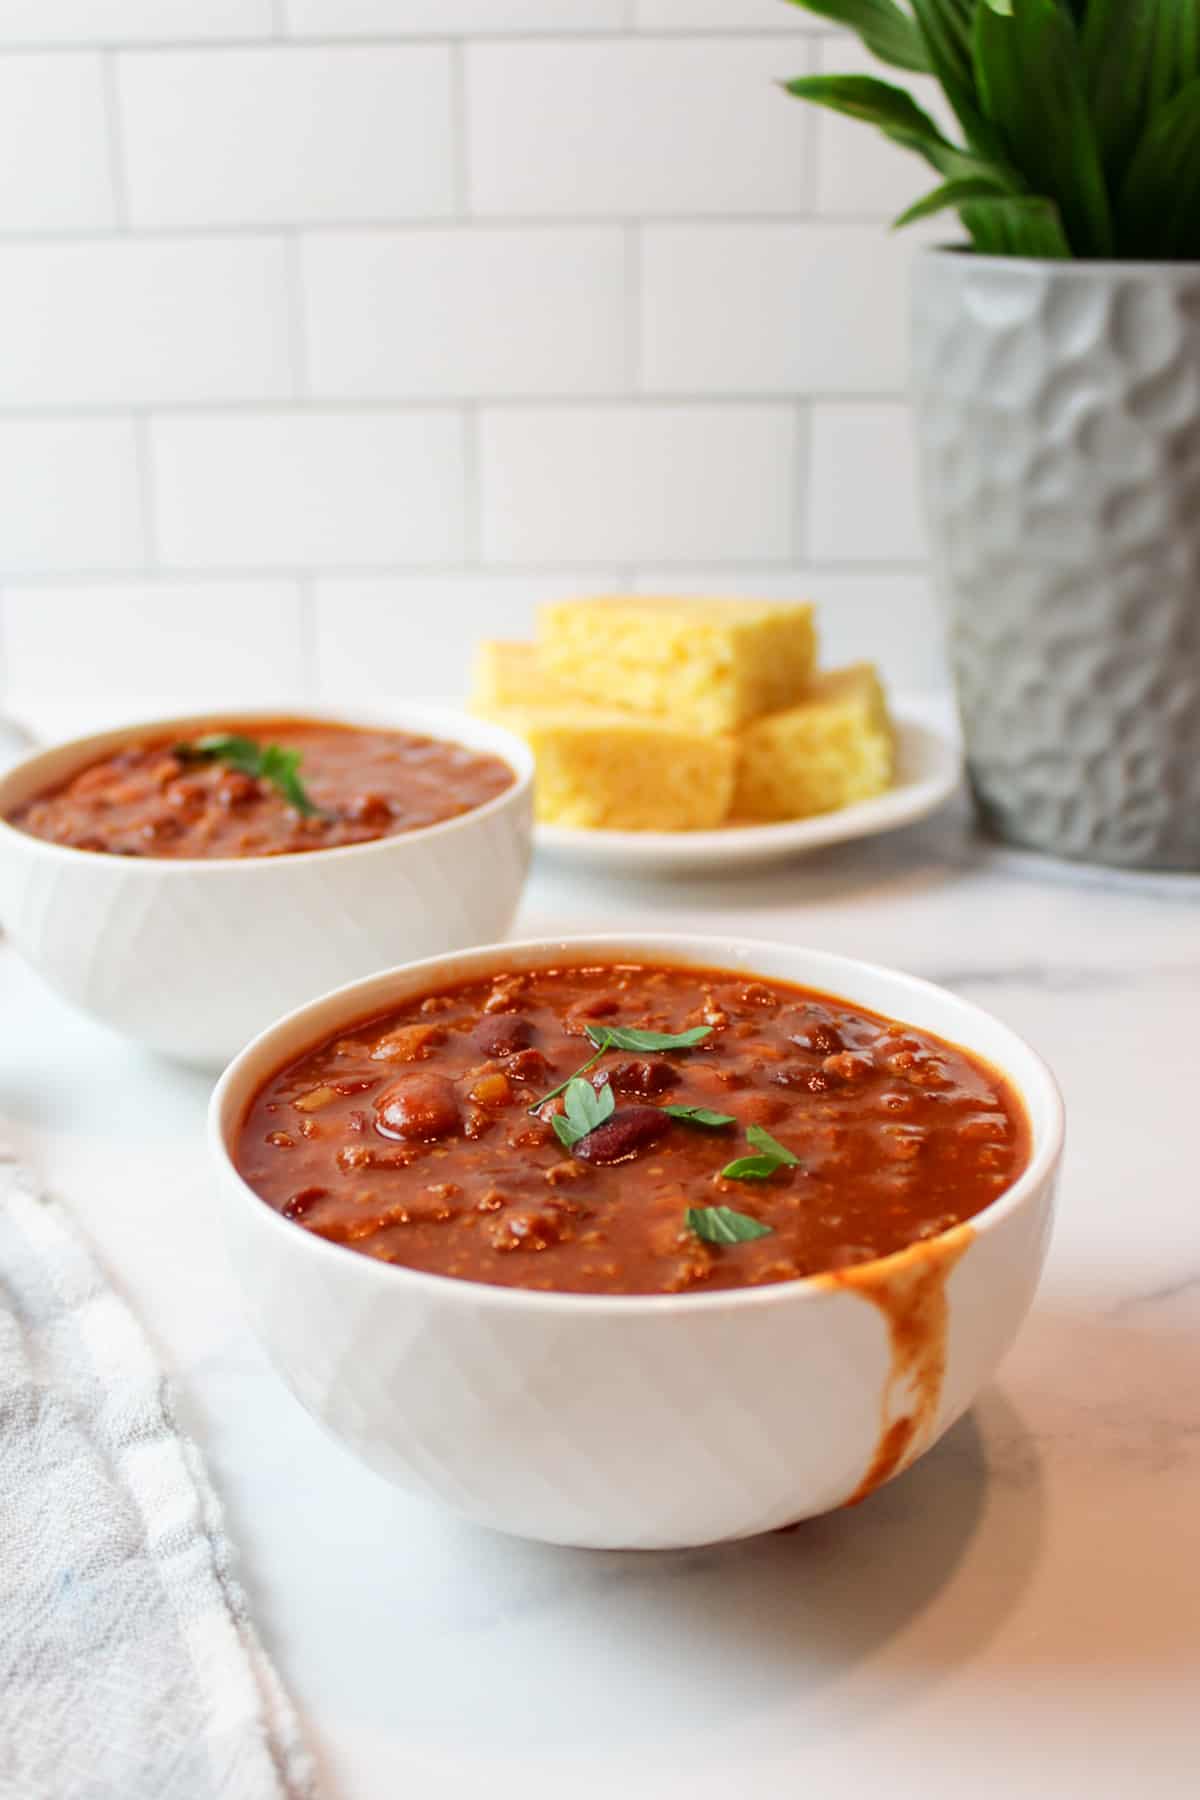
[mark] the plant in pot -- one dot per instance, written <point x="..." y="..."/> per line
<point x="1056" y="375"/>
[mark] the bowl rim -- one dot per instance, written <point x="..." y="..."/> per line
<point x="236" y="1086"/>
<point x="441" y="722"/>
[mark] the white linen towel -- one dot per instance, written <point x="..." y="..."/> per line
<point x="129" y="1668"/>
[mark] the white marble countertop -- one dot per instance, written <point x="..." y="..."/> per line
<point x="1020" y="1615"/>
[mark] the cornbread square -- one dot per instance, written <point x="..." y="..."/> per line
<point x="710" y="663"/>
<point x="609" y="771"/>
<point x="509" y="674"/>
<point x="836" y="746"/>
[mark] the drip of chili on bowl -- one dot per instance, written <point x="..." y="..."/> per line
<point x="632" y="1129"/>
<point x="272" y="788"/>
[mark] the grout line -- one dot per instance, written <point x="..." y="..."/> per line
<point x="297" y="322"/>
<point x="143" y="452"/>
<point x="459" y="167"/>
<point x="549" y="222"/>
<point x="633" y="306"/>
<point x="680" y="566"/>
<point x="376" y="406"/>
<point x="379" y="40"/>
<point x="114" y="136"/>
<point x="472" y="485"/>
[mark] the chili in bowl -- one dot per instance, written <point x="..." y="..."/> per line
<point x="638" y="1242"/>
<point x="186" y="880"/>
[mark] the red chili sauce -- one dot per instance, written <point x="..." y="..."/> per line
<point x="152" y="799"/>
<point x="409" y="1137"/>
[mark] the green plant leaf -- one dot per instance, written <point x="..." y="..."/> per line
<point x="624" y="1037"/>
<point x="1158" y="212"/>
<point x="884" y="28"/>
<point x="701" y="1115"/>
<point x="951" y="195"/>
<point x="891" y="109"/>
<point x="586" y="1107"/>
<point x="1029" y="74"/>
<point x="1119" y="39"/>
<point x="1018" y="225"/>
<point x="1176" y="50"/>
<point x="722" y="1225"/>
<point x="945" y="27"/>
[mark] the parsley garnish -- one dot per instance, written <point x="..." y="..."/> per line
<point x="586" y="1107"/>
<point x="721" y="1225"/>
<point x="701" y="1115"/>
<point x="773" y="1155"/>
<point x="620" y="1037"/>
<point x="624" y="1037"/>
<point x="265" y="762"/>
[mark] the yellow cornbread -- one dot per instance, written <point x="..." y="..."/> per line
<point x="599" y="768"/>
<point x="509" y="674"/>
<point x="835" y="746"/>
<point x="713" y="664"/>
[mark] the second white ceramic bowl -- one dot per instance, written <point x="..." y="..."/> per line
<point x="194" y="957"/>
<point x="652" y="1421"/>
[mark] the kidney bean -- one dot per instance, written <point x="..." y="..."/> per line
<point x="629" y="1130"/>
<point x="823" y="1040"/>
<point x="645" y="1078"/>
<point x="528" y="1065"/>
<point x="418" y="1106"/>
<point x="500" y="1034"/>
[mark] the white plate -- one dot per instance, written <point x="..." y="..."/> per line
<point x="927" y="773"/>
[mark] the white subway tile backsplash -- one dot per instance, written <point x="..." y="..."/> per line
<point x="54" y="145"/>
<point x="860" y="173"/>
<point x="461" y="311"/>
<point x="862" y="497"/>
<point x="721" y="15"/>
<point x="309" y="490"/>
<point x="129" y="323"/>
<point x="805" y="308"/>
<point x="621" y="483"/>
<point x="130" y="21"/>
<point x="635" y="127"/>
<point x="205" y="643"/>
<point x="876" y="616"/>
<point x="289" y="133"/>
<point x="401" y="18"/>
<point x="69" y="496"/>
<point x="414" y="636"/>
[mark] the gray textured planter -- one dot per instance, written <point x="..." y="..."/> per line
<point x="1058" y="415"/>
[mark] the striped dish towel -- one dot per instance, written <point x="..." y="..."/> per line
<point x="129" y="1669"/>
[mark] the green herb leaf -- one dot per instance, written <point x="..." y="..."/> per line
<point x="1029" y="73"/>
<point x="774" y="1156"/>
<point x="621" y="1037"/>
<point x="586" y="1107"/>
<point x="564" y="1085"/>
<point x="721" y="1225"/>
<point x="886" y="31"/>
<point x="701" y="1115"/>
<point x="270" y="762"/>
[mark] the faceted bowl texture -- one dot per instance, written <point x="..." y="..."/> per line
<point x="1058" y="414"/>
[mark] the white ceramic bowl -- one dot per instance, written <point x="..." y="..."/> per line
<point x="652" y="1421"/>
<point x="193" y="957"/>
